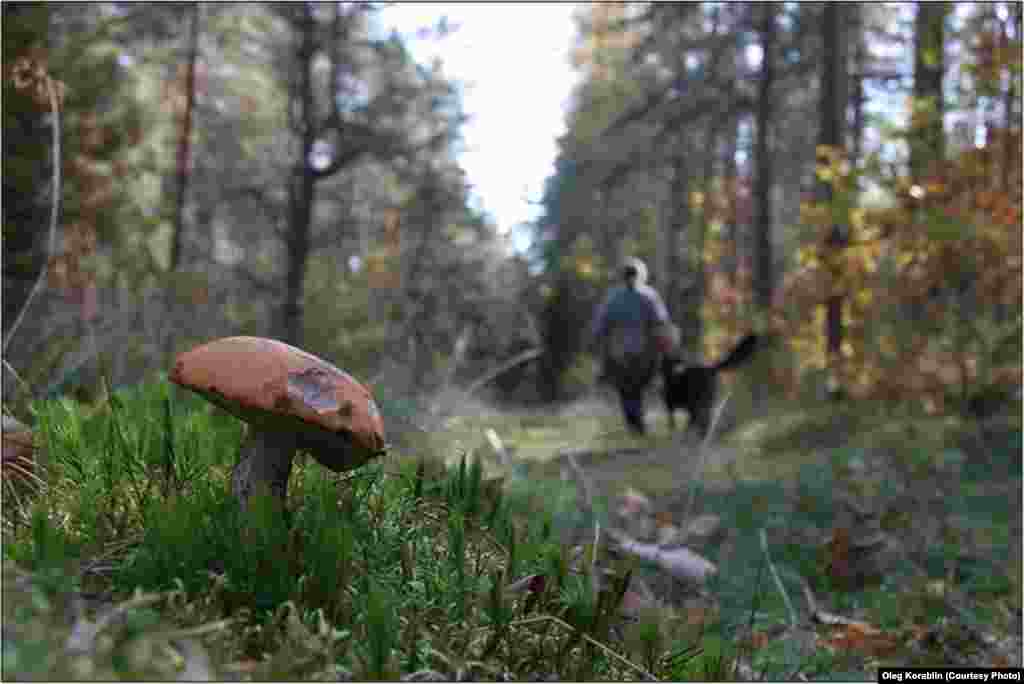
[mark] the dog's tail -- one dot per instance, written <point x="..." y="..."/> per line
<point x="740" y="354"/>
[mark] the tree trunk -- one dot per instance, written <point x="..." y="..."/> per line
<point x="676" y="263"/>
<point x="730" y="260"/>
<point x="1011" y="99"/>
<point x="928" y="143"/>
<point x="301" y="193"/>
<point x="558" y="337"/>
<point x="185" y="140"/>
<point x="763" y="272"/>
<point x="28" y="167"/>
<point x="857" y="92"/>
<point x="609" y="239"/>
<point x="833" y="115"/>
<point x="698" y="286"/>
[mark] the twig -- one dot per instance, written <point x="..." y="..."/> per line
<point x="23" y="472"/>
<point x="583" y="480"/>
<point x="196" y="631"/>
<point x="84" y="632"/>
<point x="679" y="562"/>
<point x="778" y="581"/>
<point x="10" y="369"/>
<point x="523" y="357"/>
<point x="54" y="211"/>
<point x="498" y="447"/>
<point x="812" y="604"/>
<point x="458" y="354"/>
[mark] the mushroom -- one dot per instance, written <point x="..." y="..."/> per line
<point x="291" y="400"/>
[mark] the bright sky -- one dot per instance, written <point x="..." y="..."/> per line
<point x="513" y="60"/>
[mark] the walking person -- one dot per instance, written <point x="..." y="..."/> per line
<point x="630" y="331"/>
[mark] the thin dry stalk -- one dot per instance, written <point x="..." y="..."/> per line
<point x="54" y="211"/>
<point x="702" y="455"/>
<point x="778" y="580"/>
<point x="523" y="357"/>
<point x="589" y="639"/>
<point x="14" y="373"/>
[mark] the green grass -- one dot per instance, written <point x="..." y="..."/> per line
<point x="402" y="565"/>
<point x="397" y="567"/>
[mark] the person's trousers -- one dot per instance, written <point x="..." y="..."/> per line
<point x="631" y="376"/>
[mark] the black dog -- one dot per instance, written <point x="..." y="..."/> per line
<point x="693" y="387"/>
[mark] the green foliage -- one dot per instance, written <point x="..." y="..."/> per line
<point x="351" y="553"/>
<point x="381" y="635"/>
<point x="402" y="567"/>
<point x="710" y="660"/>
<point x="137" y="447"/>
<point x="48" y="551"/>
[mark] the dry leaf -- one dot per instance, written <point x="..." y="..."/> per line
<point x="663" y="518"/>
<point x="757" y="640"/>
<point x="862" y="638"/>
<point x="698" y="615"/>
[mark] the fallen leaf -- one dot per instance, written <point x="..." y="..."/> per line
<point x="757" y="640"/>
<point x="698" y="615"/>
<point x="862" y="638"/>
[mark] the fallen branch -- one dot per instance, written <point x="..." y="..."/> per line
<point x="522" y="357"/>
<point x="679" y="562"/>
<point x="817" y="614"/>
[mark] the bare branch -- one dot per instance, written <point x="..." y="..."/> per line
<point x="362" y="140"/>
<point x="14" y="373"/>
<point x="520" y="358"/>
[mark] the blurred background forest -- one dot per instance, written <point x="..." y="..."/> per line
<point x="844" y="176"/>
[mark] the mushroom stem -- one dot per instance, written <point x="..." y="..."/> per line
<point x="265" y="461"/>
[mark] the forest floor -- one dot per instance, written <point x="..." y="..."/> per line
<point x="846" y="537"/>
<point x="841" y="537"/>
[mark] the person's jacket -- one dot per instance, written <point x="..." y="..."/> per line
<point x="628" y="320"/>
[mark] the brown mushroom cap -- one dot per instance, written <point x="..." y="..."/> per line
<point x="278" y="388"/>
